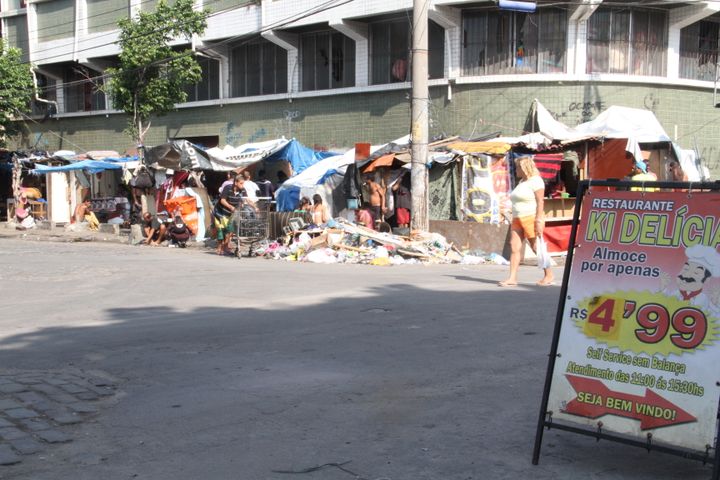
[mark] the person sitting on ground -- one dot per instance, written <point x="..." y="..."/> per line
<point x="178" y="233"/>
<point x="304" y="207"/>
<point x="153" y="229"/>
<point x="81" y="210"/>
<point x="304" y="210"/>
<point x="84" y="213"/>
<point x="320" y="215"/>
<point x="23" y="213"/>
<point x="231" y="199"/>
<point x="364" y="217"/>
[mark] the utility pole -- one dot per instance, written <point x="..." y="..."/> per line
<point x="419" y="115"/>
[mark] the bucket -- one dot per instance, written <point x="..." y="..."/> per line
<point x="353" y="203"/>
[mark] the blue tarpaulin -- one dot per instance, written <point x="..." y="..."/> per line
<point x="287" y="199"/>
<point x="92" y="166"/>
<point x="299" y="156"/>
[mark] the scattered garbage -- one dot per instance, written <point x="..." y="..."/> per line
<point x="347" y="242"/>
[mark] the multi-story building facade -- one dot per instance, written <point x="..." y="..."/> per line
<point x="332" y="73"/>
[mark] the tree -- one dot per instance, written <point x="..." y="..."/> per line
<point x="16" y="90"/>
<point x="151" y="76"/>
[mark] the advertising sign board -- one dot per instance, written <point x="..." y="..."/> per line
<point x="638" y="338"/>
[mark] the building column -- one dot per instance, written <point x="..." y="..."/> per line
<point x="577" y="36"/>
<point x="451" y="20"/>
<point x="291" y="43"/>
<point x="679" y="19"/>
<point x="358" y="32"/>
<point x="81" y="29"/>
<point x="135" y="7"/>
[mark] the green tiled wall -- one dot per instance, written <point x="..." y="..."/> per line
<point x="336" y="122"/>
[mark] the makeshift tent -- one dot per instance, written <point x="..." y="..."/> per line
<point x="484" y="186"/>
<point x="325" y="178"/>
<point x="183" y="155"/>
<point x="634" y="125"/>
<point x="299" y="156"/>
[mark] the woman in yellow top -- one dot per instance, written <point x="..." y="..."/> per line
<point x="528" y="217"/>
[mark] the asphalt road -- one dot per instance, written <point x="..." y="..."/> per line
<point x="237" y="369"/>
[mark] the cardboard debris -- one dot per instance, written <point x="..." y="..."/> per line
<point x="347" y="242"/>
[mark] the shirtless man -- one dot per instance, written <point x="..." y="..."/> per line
<point x="377" y="198"/>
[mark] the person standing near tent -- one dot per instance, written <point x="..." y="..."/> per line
<point x="528" y="219"/>
<point x="377" y="198"/>
<point x="403" y="203"/>
<point x="251" y="188"/>
<point x="231" y="199"/>
<point x="267" y="189"/>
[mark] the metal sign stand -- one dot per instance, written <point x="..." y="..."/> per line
<point x="545" y="417"/>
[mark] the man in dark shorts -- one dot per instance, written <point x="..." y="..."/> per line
<point x="231" y="198"/>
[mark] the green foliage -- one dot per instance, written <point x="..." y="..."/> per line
<point x="152" y="76"/>
<point x="16" y="90"/>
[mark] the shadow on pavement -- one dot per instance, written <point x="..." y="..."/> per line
<point x="404" y="382"/>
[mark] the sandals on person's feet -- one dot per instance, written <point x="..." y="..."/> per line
<point x="545" y="283"/>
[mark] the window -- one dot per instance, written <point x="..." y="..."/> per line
<point x="258" y="68"/>
<point x="55" y="20"/>
<point x="699" y="50"/>
<point x="497" y="43"/>
<point x="103" y="15"/>
<point x="327" y="60"/>
<point x="81" y="94"/>
<point x="627" y="41"/>
<point x="17" y="34"/>
<point x="390" y="51"/>
<point x="208" y="88"/>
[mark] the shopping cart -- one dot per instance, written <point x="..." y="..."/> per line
<point x="251" y="225"/>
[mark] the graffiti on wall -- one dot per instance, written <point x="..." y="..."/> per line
<point x="711" y="158"/>
<point x="284" y="126"/>
<point x="234" y="136"/>
<point x="651" y="102"/>
<point x="578" y="112"/>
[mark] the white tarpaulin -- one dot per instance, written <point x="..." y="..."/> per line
<point x="183" y="155"/>
<point x="637" y="125"/>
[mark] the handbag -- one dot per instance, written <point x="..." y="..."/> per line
<point x="143" y="179"/>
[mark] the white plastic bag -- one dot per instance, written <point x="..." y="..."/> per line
<point x="543" y="257"/>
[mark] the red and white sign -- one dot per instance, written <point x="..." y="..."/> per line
<point x="640" y="337"/>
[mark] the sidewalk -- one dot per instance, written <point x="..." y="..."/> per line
<point x="45" y="231"/>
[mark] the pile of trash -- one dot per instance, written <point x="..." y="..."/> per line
<point x="346" y="242"/>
